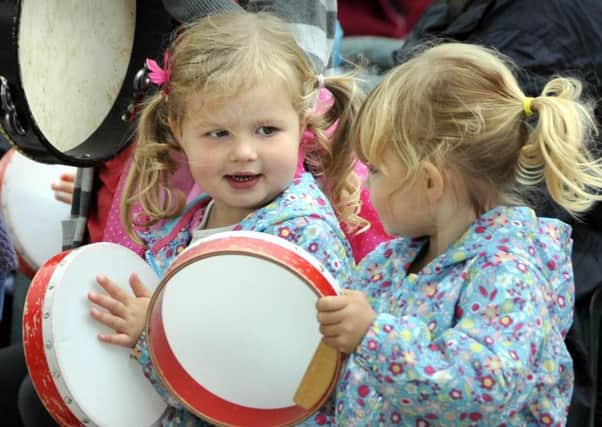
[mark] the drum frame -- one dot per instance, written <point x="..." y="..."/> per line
<point x="33" y="345"/>
<point x="288" y="256"/>
<point x="40" y="342"/>
<point x="17" y="124"/>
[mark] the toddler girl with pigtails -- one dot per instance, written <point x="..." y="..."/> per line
<point x="266" y="141"/>
<point x="461" y="320"/>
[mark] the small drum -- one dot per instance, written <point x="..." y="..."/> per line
<point x="31" y="213"/>
<point x="70" y="71"/>
<point x="81" y="380"/>
<point x="233" y="333"/>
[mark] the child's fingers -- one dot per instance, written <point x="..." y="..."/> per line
<point x="63" y="191"/>
<point x="66" y="187"/>
<point x="68" y="177"/>
<point x="107" y="302"/>
<point x="343" y="343"/>
<point x="330" y="317"/>
<point x="123" y="340"/>
<point x="63" y="197"/>
<point x="109" y="320"/>
<point x="138" y="287"/>
<point x="333" y="342"/>
<point x="113" y="289"/>
<point x="331" y="303"/>
<point x="330" y="331"/>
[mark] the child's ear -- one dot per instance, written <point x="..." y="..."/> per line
<point x="433" y="181"/>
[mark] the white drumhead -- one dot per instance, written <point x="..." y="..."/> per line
<point x="258" y="326"/>
<point x="73" y="57"/>
<point x="105" y="384"/>
<point x="31" y="213"/>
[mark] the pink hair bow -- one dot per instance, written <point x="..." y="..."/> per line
<point x="157" y="75"/>
<point x="324" y="103"/>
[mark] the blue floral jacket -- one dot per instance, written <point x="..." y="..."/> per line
<point x="301" y="215"/>
<point x="476" y="338"/>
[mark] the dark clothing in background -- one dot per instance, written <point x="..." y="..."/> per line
<point x="386" y="18"/>
<point x="8" y="263"/>
<point x="8" y="258"/>
<point x="10" y="381"/>
<point x="19" y="404"/>
<point x="544" y="38"/>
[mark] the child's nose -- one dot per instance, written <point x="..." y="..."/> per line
<point x="243" y="150"/>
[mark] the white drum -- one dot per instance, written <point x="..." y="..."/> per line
<point x="31" y="213"/>
<point x="233" y="333"/>
<point x="81" y="380"/>
<point x="72" y="73"/>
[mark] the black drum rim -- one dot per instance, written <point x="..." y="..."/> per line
<point x="152" y="29"/>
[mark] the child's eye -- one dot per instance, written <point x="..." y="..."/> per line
<point x="218" y="133"/>
<point x="266" y="130"/>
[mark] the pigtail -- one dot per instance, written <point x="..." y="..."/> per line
<point x="557" y="150"/>
<point x="334" y="160"/>
<point x="147" y="186"/>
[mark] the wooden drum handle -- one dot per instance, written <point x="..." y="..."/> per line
<point x="318" y="377"/>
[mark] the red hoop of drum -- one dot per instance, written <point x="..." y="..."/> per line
<point x="71" y="73"/>
<point x="32" y="215"/>
<point x="79" y="379"/>
<point x="233" y="333"/>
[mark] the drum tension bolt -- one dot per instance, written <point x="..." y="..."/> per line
<point x="9" y="119"/>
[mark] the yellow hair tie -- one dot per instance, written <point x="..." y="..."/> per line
<point x="527" y="106"/>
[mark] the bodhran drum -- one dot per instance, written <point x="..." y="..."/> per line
<point x="31" y="213"/>
<point x="70" y="73"/>
<point x="81" y="380"/>
<point x="233" y="333"/>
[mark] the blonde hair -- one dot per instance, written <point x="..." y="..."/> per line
<point x="460" y="106"/>
<point x="222" y="56"/>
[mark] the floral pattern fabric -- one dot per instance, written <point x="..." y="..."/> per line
<point x="475" y="339"/>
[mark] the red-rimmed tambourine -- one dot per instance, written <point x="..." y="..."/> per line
<point x="70" y="73"/>
<point x="233" y="333"/>
<point x="31" y="213"/>
<point x="79" y="379"/>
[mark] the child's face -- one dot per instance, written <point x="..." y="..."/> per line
<point x="403" y="209"/>
<point x="245" y="153"/>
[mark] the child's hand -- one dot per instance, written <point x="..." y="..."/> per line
<point x="125" y="313"/>
<point x="345" y="319"/>
<point x="63" y="189"/>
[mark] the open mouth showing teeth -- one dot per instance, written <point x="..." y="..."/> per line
<point x="243" y="178"/>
